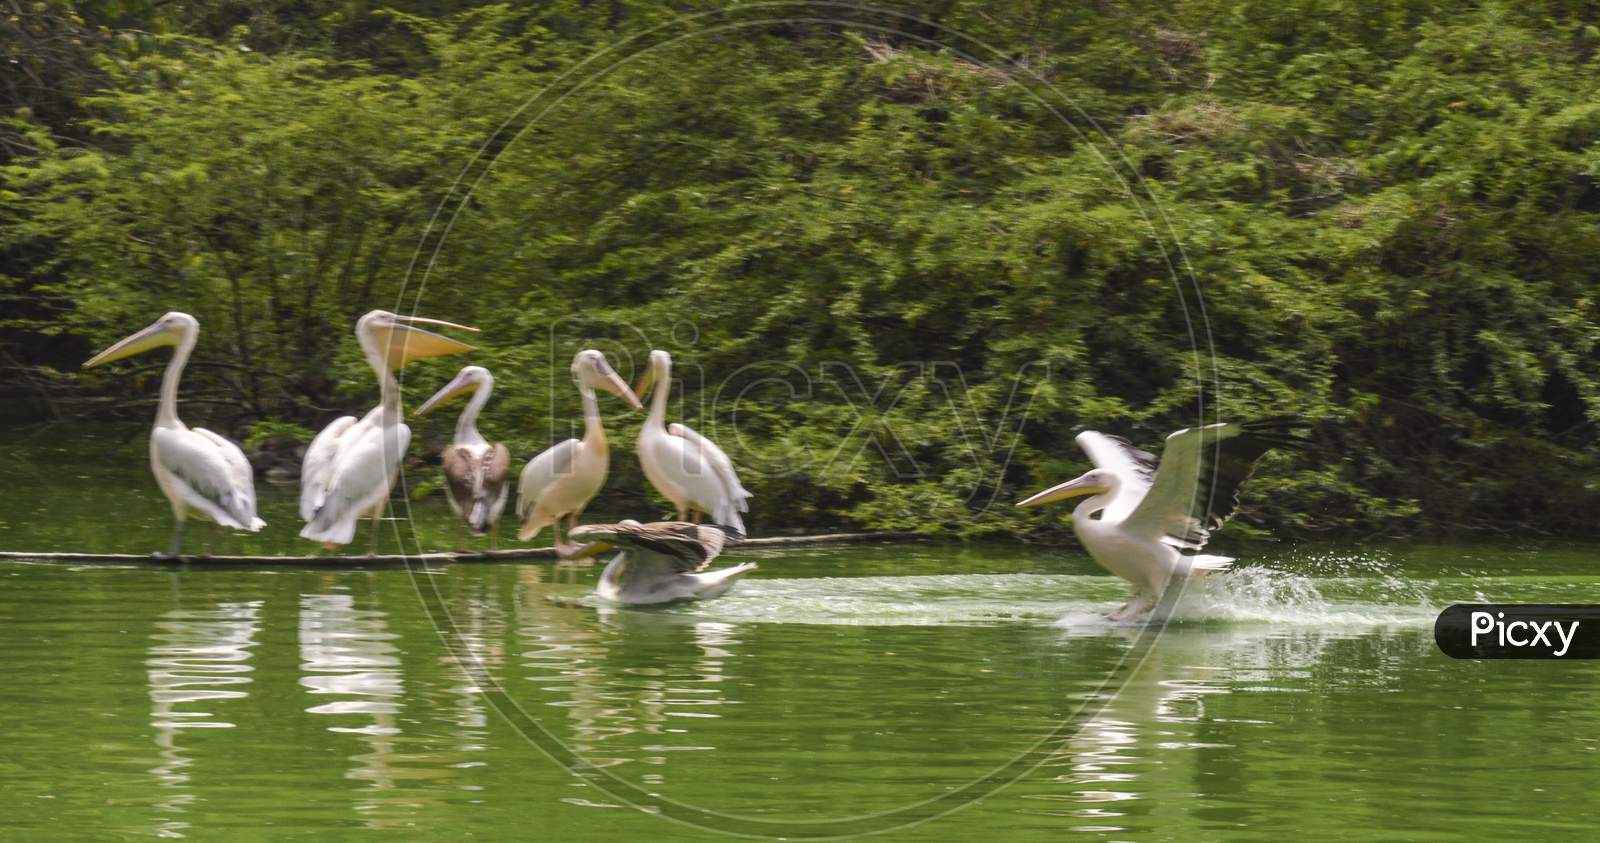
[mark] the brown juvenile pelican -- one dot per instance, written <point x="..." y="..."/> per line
<point x="203" y="474"/>
<point x="352" y="464"/>
<point x="562" y="480"/>
<point x="660" y="562"/>
<point x="1141" y="516"/>
<point x="474" y="470"/>
<point x="685" y="467"/>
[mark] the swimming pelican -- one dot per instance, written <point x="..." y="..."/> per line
<point x="351" y="465"/>
<point x="562" y="480"/>
<point x="685" y="467"/>
<point x="659" y="562"/>
<point x="474" y="470"/>
<point x="203" y="474"/>
<point x="1150" y="514"/>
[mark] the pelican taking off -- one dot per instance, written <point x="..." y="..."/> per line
<point x="1141" y="517"/>
<point x="660" y="562"/>
<point x="474" y="470"/>
<point x="351" y="465"/>
<point x="562" y="480"/>
<point x="203" y="474"/>
<point x="685" y="467"/>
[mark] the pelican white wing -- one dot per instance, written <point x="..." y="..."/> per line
<point x="1196" y="487"/>
<point x="551" y="485"/>
<point x="317" y="465"/>
<point x="543" y="471"/>
<point x="1135" y="468"/>
<point x="357" y="482"/>
<point x="719" y="462"/>
<point x="209" y="473"/>
<point x="676" y="463"/>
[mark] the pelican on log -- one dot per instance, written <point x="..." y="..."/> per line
<point x="660" y="562"/>
<point x="203" y="474"/>
<point x="686" y="468"/>
<point x="562" y="480"/>
<point x="1146" y="521"/>
<point x="352" y="464"/>
<point x="475" y="471"/>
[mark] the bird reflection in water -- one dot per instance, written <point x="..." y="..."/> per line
<point x="197" y="657"/>
<point x="348" y="653"/>
<point x="632" y="683"/>
<point x="1159" y="718"/>
<point x="476" y="641"/>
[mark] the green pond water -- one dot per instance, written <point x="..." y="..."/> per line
<point x="833" y="691"/>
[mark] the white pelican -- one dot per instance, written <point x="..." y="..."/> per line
<point x="685" y="467"/>
<point x="203" y="474"/>
<point x="562" y="480"/>
<point x="474" y="470"/>
<point x="351" y="465"/>
<point x="660" y="562"/>
<point x="1141" y="517"/>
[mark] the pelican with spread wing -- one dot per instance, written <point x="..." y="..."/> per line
<point x="1145" y="521"/>
<point x="475" y="471"/>
<point x="685" y="467"/>
<point x="562" y="480"/>
<point x="203" y="474"/>
<point x="661" y="562"/>
<point x="350" y="467"/>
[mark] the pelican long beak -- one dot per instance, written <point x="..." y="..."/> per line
<point x="614" y="384"/>
<point x="591" y="549"/>
<point x="154" y="336"/>
<point x="406" y="343"/>
<point x="642" y="387"/>
<point x="423" y="320"/>
<point x="1084" y="485"/>
<point x="461" y="385"/>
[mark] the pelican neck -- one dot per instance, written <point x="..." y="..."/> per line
<point x="167" y="409"/>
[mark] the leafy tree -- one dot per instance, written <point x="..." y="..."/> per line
<point x="898" y="271"/>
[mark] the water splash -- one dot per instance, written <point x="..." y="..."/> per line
<point x="951" y="599"/>
<point x="1265" y="595"/>
<point x="1365" y="598"/>
<point x="1076" y="602"/>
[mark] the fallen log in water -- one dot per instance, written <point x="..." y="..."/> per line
<point x="521" y="554"/>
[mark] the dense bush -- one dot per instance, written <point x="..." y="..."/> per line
<point x="898" y="269"/>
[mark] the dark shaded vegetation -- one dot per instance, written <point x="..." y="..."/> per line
<point x="895" y="279"/>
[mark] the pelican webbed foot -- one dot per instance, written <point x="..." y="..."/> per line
<point x="1139" y="604"/>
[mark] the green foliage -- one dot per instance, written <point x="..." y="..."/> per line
<point x="895" y="279"/>
<point x="269" y="431"/>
